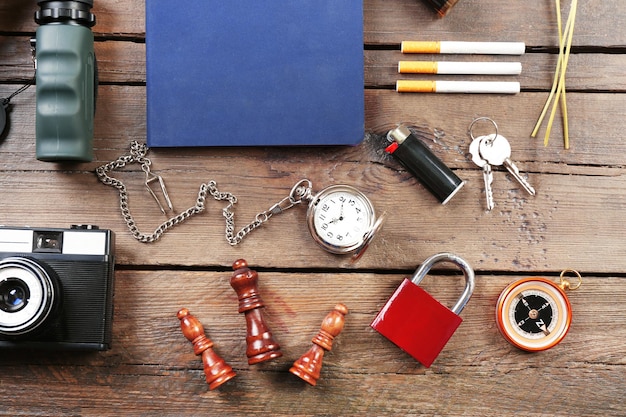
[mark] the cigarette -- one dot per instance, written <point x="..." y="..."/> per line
<point x="454" y="67"/>
<point x="495" y="87"/>
<point x="447" y="47"/>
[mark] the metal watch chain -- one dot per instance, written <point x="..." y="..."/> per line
<point x="300" y="191"/>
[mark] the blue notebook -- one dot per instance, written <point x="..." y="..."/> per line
<point x="254" y="73"/>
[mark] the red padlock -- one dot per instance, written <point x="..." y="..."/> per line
<point x="415" y="321"/>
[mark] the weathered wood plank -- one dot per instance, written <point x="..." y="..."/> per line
<point x="533" y="22"/>
<point x="391" y="22"/>
<point x="115" y="18"/>
<point x="595" y="138"/>
<point x="516" y="116"/>
<point x="123" y="62"/>
<point x="522" y="233"/>
<point x="381" y="69"/>
<point x="152" y="367"/>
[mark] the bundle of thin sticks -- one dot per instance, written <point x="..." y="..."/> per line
<point x="557" y="92"/>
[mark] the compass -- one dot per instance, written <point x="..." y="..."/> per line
<point x="534" y="314"/>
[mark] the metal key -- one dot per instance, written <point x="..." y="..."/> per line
<point x="496" y="150"/>
<point x="487" y="173"/>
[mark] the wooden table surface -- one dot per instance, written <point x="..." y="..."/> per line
<point x="574" y="221"/>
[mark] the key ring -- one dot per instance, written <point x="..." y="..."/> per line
<point x="471" y="126"/>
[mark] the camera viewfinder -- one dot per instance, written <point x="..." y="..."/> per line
<point x="48" y="242"/>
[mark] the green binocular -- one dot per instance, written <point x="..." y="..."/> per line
<point x="66" y="80"/>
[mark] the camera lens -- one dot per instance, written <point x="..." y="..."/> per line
<point x="14" y="295"/>
<point x="28" y="294"/>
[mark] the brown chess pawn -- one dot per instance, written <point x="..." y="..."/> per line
<point x="309" y="365"/>
<point x="216" y="370"/>
<point x="260" y="342"/>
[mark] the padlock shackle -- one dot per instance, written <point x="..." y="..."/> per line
<point x="421" y="272"/>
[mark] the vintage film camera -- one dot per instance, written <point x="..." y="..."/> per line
<point x="56" y="288"/>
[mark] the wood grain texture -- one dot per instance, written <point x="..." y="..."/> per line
<point x="574" y="221"/>
<point x="152" y="366"/>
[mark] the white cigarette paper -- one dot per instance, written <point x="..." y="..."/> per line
<point x="483" y="87"/>
<point x="459" y="67"/>
<point x="461" y="47"/>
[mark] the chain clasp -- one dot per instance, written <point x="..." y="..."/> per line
<point x="150" y="180"/>
<point x="300" y="191"/>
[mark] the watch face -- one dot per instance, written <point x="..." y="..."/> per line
<point x="340" y="217"/>
<point x="533" y="314"/>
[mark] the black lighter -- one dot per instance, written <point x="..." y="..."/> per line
<point x="421" y="162"/>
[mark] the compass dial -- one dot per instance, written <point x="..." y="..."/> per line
<point x="533" y="314"/>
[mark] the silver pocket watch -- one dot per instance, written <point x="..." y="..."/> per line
<point x="342" y="220"/>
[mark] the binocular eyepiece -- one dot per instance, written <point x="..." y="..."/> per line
<point x="66" y="80"/>
<point x="77" y="11"/>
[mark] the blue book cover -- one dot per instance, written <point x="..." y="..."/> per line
<point x="254" y="73"/>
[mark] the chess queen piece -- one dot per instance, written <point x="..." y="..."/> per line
<point x="261" y="343"/>
<point x="309" y="365"/>
<point x="216" y="370"/>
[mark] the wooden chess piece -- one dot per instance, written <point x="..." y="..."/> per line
<point x="216" y="370"/>
<point x="309" y="365"/>
<point x="261" y="344"/>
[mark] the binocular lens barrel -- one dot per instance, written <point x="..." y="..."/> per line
<point x="63" y="11"/>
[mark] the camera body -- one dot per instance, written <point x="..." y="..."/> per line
<point x="66" y="79"/>
<point x="56" y="288"/>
